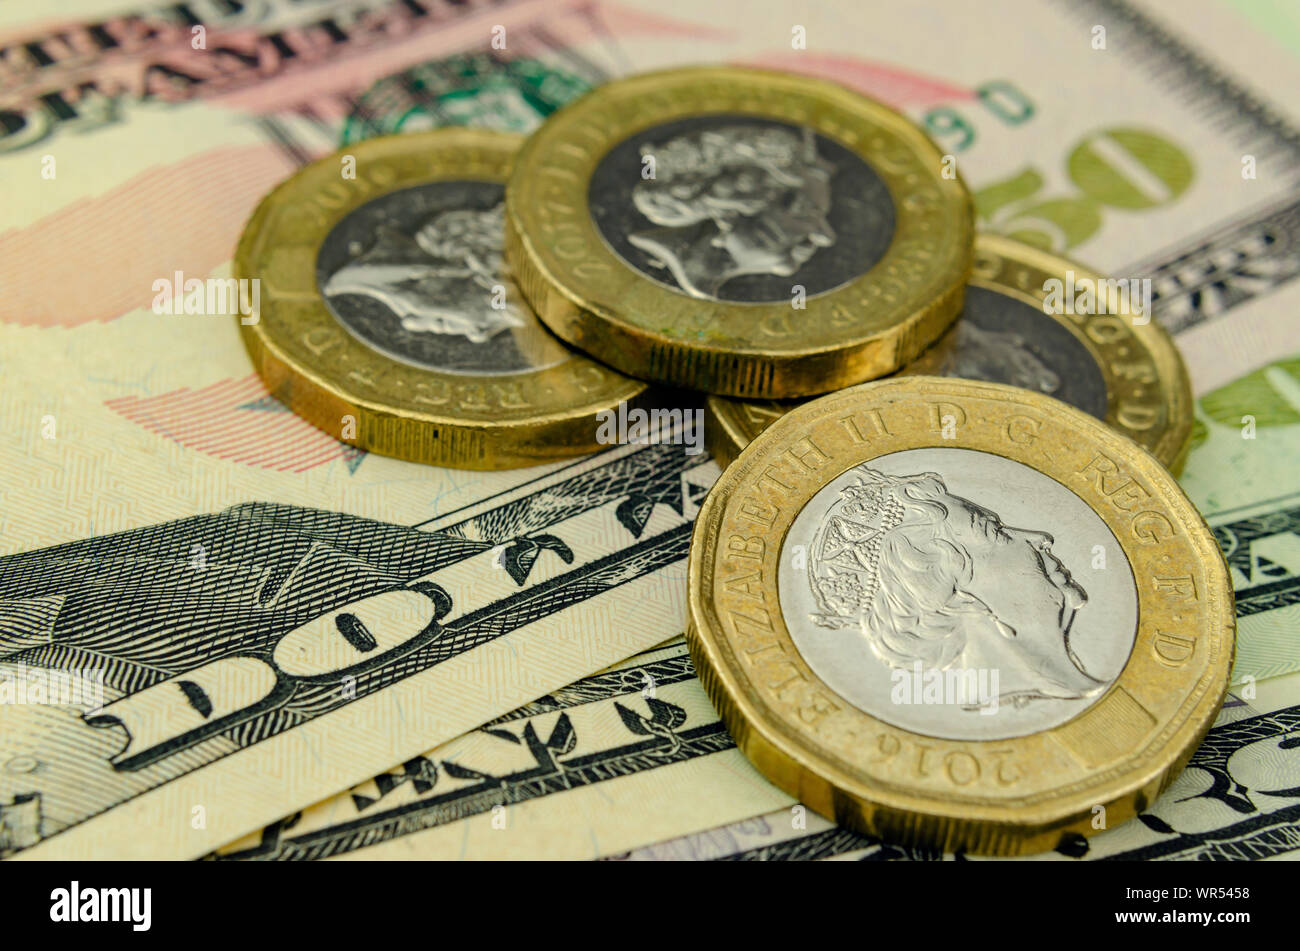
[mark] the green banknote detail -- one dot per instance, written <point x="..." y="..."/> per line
<point x="1246" y="441"/>
<point x="1271" y="395"/>
<point x="1101" y="167"/>
<point x="474" y="89"/>
<point x="1241" y="474"/>
<point x="1279" y="19"/>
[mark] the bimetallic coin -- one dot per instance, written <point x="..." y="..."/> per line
<point x="739" y="231"/>
<point x="959" y="614"/>
<point x="390" y="321"/>
<point x="1121" y="368"/>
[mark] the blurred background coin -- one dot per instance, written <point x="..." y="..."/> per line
<point x="389" y="320"/>
<point x="958" y="614"/>
<point x="739" y="231"/>
<point x="1115" y="364"/>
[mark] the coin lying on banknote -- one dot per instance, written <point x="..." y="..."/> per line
<point x="1110" y="359"/>
<point x="959" y="614"/>
<point x="390" y="322"/>
<point x="739" y="231"/>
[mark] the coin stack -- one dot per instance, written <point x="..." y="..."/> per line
<point x="965" y="606"/>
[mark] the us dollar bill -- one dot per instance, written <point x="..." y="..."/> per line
<point x="533" y="784"/>
<point x="142" y="443"/>
<point x="1241" y="475"/>
<point x="625" y="757"/>
<point x="1260" y="540"/>
<point x="1172" y="168"/>
<point x="252" y="660"/>
<point x="633" y="763"/>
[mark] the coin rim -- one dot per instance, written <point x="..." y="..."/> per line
<point x="793" y="758"/>
<point x="566" y="301"/>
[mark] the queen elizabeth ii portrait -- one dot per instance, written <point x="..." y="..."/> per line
<point x="928" y="576"/>
<point x="734" y="200"/>
<point x="447" y="300"/>
<point x="441" y="280"/>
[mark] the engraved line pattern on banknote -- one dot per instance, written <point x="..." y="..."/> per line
<point x="151" y="71"/>
<point x="420" y="93"/>
<point x="1264" y="833"/>
<point x="660" y="739"/>
<point x="168" y="635"/>
<point x="1271" y="585"/>
<point x="828" y="843"/>
<point x="1209" y="274"/>
<point x="1232" y="265"/>
<point x="614" y="683"/>
<point x="1184" y="71"/>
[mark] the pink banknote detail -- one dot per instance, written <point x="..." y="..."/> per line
<point x="97" y="258"/>
<point x="236" y="420"/>
<point x="900" y="88"/>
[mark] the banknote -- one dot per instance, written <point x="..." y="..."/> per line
<point x="1170" y="168"/>
<point x="624" y="757"/>
<point x="232" y="98"/>
<point x="633" y="763"/>
<point x="1241" y="473"/>
<point x="166" y="521"/>
<point x="252" y="659"/>
<point x="259" y="614"/>
<point x="647" y="730"/>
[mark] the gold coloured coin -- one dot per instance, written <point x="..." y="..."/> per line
<point x="739" y="231"/>
<point x="1121" y="368"/>
<point x="389" y="321"/>
<point x="959" y="614"/>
